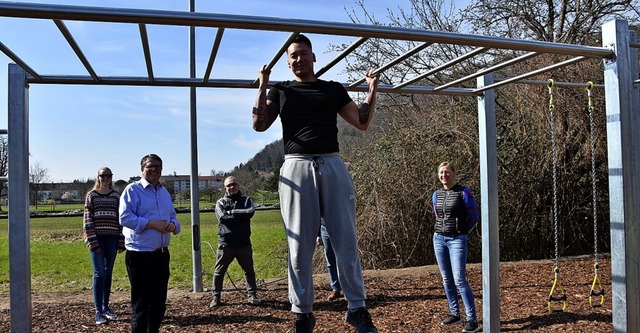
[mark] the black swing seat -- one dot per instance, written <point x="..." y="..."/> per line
<point x="557" y="299"/>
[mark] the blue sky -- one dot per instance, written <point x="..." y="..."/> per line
<point x="76" y="129"/>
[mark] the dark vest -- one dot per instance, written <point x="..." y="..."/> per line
<point x="451" y="214"/>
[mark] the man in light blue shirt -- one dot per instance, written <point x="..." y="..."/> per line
<point x="148" y="219"/>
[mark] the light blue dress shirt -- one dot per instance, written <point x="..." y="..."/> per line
<point x="140" y="202"/>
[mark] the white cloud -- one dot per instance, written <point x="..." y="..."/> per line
<point x="242" y="142"/>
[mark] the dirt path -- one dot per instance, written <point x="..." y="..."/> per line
<point x="401" y="300"/>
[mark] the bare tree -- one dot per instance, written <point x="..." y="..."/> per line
<point x="120" y="185"/>
<point x="550" y="20"/>
<point x="210" y="192"/>
<point x="38" y="174"/>
<point x="4" y="155"/>
<point x="410" y="135"/>
<point x="4" y="164"/>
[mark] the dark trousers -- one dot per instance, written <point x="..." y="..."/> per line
<point x="224" y="257"/>
<point x="149" y="278"/>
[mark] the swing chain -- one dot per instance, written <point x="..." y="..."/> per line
<point x="596" y="285"/>
<point x="593" y="170"/>
<point x="551" y="85"/>
<point x="557" y="286"/>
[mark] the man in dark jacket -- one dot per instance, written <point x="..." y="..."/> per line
<point x="234" y="212"/>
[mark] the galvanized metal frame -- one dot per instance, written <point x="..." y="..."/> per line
<point x="341" y="56"/>
<point x="621" y="108"/>
<point x="623" y="147"/>
<point x="193" y="137"/>
<point x="18" y="178"/>
<point x="221" y="21"/>
<point x="442" y="67"/>
<point x="487" y="134"/>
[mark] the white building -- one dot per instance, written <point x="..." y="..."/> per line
<point x="183" y="182"/>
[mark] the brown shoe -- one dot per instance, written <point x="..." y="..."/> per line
<point x="334" y="295"/>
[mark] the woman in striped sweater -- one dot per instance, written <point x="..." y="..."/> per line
<point x="103" y="236"/>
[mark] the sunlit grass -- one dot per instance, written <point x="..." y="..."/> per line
<point x="60" y="261"/>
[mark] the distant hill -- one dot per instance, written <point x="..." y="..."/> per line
<point x="268" y="159"/>
<point x="271" y="157"/>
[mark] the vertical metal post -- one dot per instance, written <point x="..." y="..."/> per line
<point x="195" y="196"/>
<point x="633" y="234"/>
<point x="623" y="147"/>
<point x="489" y="207"/>
<point x="18" y="176"/>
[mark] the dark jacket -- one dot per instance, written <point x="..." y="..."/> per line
<point x="234" y="213"/>
<point x="455" y="210"/>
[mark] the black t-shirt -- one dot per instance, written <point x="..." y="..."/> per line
<point x="308" y="112"/>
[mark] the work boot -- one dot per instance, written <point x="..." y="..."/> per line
<point x="361" y="320"/>
<point x="305" y="322"/>
<point x="253" y="300"/>
<point x="216" y="301"/>
<point x="451" y="320"/>
<point x="471" y="326"/>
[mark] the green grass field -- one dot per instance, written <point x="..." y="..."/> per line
<point x="57" y="208"/>
<point x="60" y="261"/>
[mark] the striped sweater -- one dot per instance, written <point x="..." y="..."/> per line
<point x="101" y="218"/>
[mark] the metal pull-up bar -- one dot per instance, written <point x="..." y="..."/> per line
<point x="278" y="54"/>
<point x="214" y="54"/>
<point x="76" y="48"/>
<point x="443" y="66"/>
<point x="341" y="56"/>
<point x="394" y="62"/>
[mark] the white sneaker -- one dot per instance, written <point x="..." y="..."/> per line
<point x="100" y="319"/>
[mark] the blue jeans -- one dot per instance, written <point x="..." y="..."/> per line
<point x="103" y="260"/>
<point x="330" y="258"/>
<point x="451" y="254"/>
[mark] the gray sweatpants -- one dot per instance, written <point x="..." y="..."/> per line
<point x="312" y="186"/>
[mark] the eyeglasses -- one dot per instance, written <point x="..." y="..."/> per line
<point x="105" y="175"/>
<point x="153" y="166"/>
<point x="231" y="185"/>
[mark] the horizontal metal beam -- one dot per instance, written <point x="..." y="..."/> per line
<point x="555" y="83"/>
<point x="532" y="73"/>
<point x="225" y="83"/>
<point x="422" y="90"/>
<point x="162" y="17"/>
<point x="491" y="69"/>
